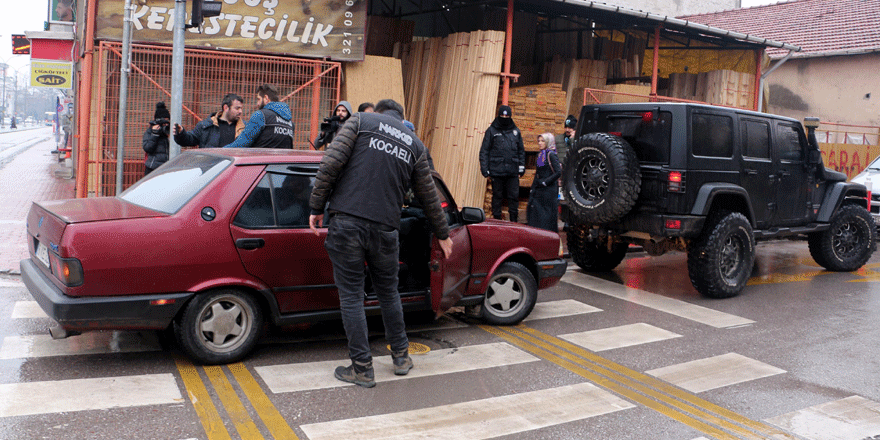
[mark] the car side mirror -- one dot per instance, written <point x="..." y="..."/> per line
<point x="472" y="215"/>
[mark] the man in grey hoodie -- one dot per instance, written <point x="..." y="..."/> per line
<point x="331" y="125"/>
<point x="270" y="126"/>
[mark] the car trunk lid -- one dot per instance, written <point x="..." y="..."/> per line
<point x="47" y="221"/>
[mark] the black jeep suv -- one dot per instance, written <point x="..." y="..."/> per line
<point x="708" y="181"/>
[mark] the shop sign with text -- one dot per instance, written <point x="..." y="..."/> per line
<point x="309" y="28"/>
<point x="52" y="74"/>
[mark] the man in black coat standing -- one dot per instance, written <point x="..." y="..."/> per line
<point x="155" y="141"/>
<point x="216" y="130"/>
<point x="503" y="159"/>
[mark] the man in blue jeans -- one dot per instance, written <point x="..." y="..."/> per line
<point x="371" y="163"/>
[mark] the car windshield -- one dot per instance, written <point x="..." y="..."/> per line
<point x="875" y="164"/>
<point x="172" y="185"/>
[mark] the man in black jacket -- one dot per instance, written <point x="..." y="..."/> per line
<point x="331" y="125"/>
<point x="362" y="179"/>
<point x="503" y="160"/>
<point x="217" y="130"/>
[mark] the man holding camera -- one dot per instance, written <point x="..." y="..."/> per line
<point x="331" y="125"/>
<point x="156" y="138"/>
<point x="217" y="130"/>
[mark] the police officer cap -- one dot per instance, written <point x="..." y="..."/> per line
<point x="571" y="122"/>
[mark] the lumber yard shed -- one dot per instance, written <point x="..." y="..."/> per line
<point x="546" y="58"/>
<point x="451" y="64"/>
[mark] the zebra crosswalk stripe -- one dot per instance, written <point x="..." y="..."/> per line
<point x="478" y="419"/>
<point x="31" y="398"/>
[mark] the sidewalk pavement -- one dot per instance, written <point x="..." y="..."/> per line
<point x="27" y="178"/>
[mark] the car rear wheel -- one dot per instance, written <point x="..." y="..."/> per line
<point x="601" y="180"/>
<point x="848" y="243"/>
<point x="219" y="327"/>
<point x="720" y="261"/>
<point x="511" y="295"/>
<point x="593" y="256"/>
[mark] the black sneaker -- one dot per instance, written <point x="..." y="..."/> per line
<point x="357" y="373"/>
<point x="402" y="363"/>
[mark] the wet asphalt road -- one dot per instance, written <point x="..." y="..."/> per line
<point x="632" y="354"/>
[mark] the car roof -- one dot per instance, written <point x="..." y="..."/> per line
<point x="257" y="156"/>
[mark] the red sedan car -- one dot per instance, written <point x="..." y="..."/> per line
<point x="216" y="243"/>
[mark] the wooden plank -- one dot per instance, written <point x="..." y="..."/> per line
<point x="373" y="79"/>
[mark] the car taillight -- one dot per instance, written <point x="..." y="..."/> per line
<point x="68" y="270"/>
<point x="647" y="117"/>
<point x="673" y="224"/>
<point x="675" y="181"/>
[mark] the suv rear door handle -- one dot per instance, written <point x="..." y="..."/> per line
<point x="750" y="172"/>
<point x="249" y="243"/>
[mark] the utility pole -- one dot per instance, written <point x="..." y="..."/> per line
<point x="124" y="69"/>
<point x="177" y="73"/>
<point x="200" y="10"/>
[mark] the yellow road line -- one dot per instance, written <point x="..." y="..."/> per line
<point x="548" y="354"/>
<point x="633" y="388"/>
<point x="201" y="400"/>
<point x="273" y="419"/>
<point x="654" y="382"/>
<point x="236" y="410"/>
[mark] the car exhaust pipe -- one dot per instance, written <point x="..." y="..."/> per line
<point x="57" y="332"/>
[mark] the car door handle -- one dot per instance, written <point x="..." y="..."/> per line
<point x="784" y="174"/>
<point x="750" y="172"/>
<point x="250" y="243"/>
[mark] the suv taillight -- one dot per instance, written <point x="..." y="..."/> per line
<point x="675" y="181"/>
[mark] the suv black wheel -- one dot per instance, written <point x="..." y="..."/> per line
<point x="593" y="256"/>
<point x="219" y="327"/>
<point x="848" y="243"/>
<point x="601" y="178"/>
<point x="511" y="295"/>
<point x="720" y="261"/>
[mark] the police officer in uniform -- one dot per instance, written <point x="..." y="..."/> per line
<point x="367" y="169"/>
<point x="270" y="126"/>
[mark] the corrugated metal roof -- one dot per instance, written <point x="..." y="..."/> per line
<point x="623" y="14"/>
<point x="819" y="27"/>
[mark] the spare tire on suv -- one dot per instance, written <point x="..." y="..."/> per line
<point x="601" y="178"/>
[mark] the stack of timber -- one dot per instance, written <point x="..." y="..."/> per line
<point x="723" y="87"/>
<point x="374" y="79"/>
<point x="451" y="85"/>
<point x="538" y="109"/>
<point x="574" y="76"/>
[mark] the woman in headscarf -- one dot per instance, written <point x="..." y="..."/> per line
<point x="543" y="208"/>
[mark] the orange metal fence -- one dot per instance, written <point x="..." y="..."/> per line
<point x="310" y="87"/>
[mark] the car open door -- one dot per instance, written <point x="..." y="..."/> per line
<point x="449" y="276"/>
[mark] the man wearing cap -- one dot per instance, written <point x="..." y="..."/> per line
<point x="503" y="160"/>
<point x="563" y="141"/>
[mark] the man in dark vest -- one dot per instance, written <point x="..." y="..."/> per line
<point x="371" y="163"/>
<point x="270" y="126"/>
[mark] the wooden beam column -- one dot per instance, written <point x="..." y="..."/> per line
<point x="508" y="45"/>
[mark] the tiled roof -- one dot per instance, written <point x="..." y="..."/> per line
<point x="819" y="27"/>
